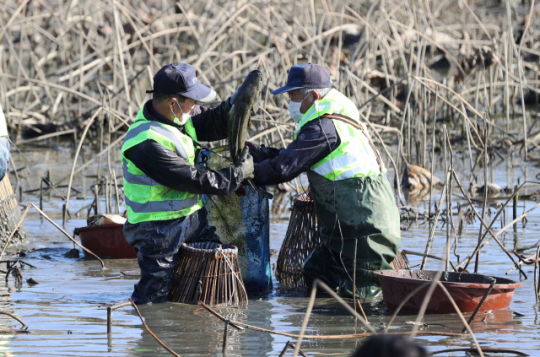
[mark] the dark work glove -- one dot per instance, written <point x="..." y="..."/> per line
<point x="246" y="164"/>
<point x="268" y="153"/>
<point x="262" y="152"/>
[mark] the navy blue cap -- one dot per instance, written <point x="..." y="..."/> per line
<point x="180" y="78"/>
<point x="306" y="76"/>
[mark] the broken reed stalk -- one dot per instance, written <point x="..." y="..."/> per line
<point x="362" y="310"/>
<point x="448" y="208"/>
<point x="488" y="230"/>
<point x="288" y="345"/>
<point x="13" y="332"/>
<point x="400" y="140"/>
<point x="479" y="306"/>
<point x="537" y="273"/>
<point x="110" y="310"/>
<point x="23" y="214"/>
<point x="284" y="350"/>
<point x="218" y="315"/>
<point x="484" y="203"/>
<point x="348" y="336"/>
<point x="354" y="277"/>
<point x="426" y="301"/>
<point x="318" y="283"/>
<point x="433" y="153"/>
<point x="484" y="349"/>
<point x="225" y="336"/>
<point x="24" y="326"/>
<point x="150" y="331"/>
<point x="432" y="232"/>
<point x="403" y="302"/>
<point x="523" y="261"/>
<point x="461" y="317"/>
<point x="83" y="136"/>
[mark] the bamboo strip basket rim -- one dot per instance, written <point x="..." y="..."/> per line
<point x="209" y="247"/>
<point x="303" y="199"/>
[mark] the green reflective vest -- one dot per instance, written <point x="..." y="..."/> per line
<point x="354" y="157"/>
<point x="147" y="200"/>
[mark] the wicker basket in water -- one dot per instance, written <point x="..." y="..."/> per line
<point x="303" y="234"/>
<point x="10" y="214"/>
<point x="210" y="273"/>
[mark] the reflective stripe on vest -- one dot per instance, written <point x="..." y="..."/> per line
<point x="146" y="199"/>
<point x="160" y="129"/>
<point x="354" y="156"/>
<point x="160" y="206"/>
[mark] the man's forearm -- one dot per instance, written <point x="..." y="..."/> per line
<point x="168" y="169"/>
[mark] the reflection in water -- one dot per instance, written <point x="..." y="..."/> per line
<point x="415" y="196"/>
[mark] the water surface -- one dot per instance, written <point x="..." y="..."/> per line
<point x="66" y="311"/>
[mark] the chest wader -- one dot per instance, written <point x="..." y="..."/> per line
<point x="356" y="209"/>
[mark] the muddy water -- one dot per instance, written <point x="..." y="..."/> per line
<point x="66" y="311"/>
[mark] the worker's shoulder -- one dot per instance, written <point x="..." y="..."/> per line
<point x="316" y="128"/>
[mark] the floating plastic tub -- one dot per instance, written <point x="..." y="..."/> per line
<point x="467" y="292"/>
<point x="107" y="240"/>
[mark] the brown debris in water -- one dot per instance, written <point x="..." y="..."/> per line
<point x="416" y="177"/>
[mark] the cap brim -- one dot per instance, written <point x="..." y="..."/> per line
<point x="201" y="93"/>
<point x="285" y="89"/>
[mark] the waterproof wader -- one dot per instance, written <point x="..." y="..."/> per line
<point x="354" y="203"/>
<point x="358" y="209"/>
<point x="157" y="244"/>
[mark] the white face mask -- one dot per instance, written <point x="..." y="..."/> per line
<point x="185" y="117"/>
<point x="294" y="109"/>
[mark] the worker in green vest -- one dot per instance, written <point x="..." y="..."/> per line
<point x="162" y="185"/>
<point x="4" y="145"/>
<point x="353" y="198"/>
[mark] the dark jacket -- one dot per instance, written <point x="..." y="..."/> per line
<point x="169" y="169"/>
<point x="316" y="140"/>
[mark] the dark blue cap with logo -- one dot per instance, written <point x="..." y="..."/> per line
<point x="180" y="78"/>
<point x="306" y="76"/>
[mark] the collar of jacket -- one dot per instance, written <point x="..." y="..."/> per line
<point x="151" y="114"/>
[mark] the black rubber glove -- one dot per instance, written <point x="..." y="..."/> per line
<point x="267" y="153"/>
<point x="262" y="152"/>
<point x="246" y="164"/>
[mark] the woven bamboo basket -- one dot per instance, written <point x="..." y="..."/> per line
<point x="10" y="213"/>
<point x="210" y="273"/>
<point x="303" y="234"/>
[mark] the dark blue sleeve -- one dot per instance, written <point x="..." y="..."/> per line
<point x="211" y="124"/>
<point x="169" y="169"/>
<point x="315" y="141"/>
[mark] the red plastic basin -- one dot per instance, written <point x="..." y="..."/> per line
<point x="107" y="241"/>
<point x="467" y="292"/>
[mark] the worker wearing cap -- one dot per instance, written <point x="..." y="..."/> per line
<point x="161" y="184"/>
<point x="353" y="198"/>
<point x="4" y="145"/>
